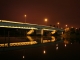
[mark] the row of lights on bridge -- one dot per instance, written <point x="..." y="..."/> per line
<point x="65" y="25"/>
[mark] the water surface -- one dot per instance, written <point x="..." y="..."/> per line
<point x="39" y="48"/>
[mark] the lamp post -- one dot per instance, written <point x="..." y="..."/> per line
<point x="25" y="18"/>
<point x="76" y="28"/>
<point x="72" y="27"/>
<point x="46" y="20"/>
<point x="66" y="26"/>
<point x="58" y="24"/>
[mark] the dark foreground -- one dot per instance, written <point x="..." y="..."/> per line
<point x="39" y="48"/>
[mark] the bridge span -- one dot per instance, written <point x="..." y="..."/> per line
<point x="27" y="26"/>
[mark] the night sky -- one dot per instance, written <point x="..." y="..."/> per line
<point x="63" y="11"/>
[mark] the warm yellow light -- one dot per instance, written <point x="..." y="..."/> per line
<point x="58" y="23"/>
<point x="66" y="29"/>
<point x="54" y="31"/>
<point x="46" y="41"/>
<point x="71" y="27"/>
<point x="66" y="41"/>
<point x="18" y="44"/>
<point x="44" y="51"/>
<point x="62" y="32"/>
<point x="46" y="20"/>
<point x="30" y="32"/>
<point x="53" y="38"/>
<point x="76" y="28"/>
<point x="66" y="25"/>
<point x="30" y="38"/>
<point x="25" y="15"/>
<point x="23" y="57"/>
<point x="65" y="45"/>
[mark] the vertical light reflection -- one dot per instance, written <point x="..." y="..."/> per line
<point x="57" y="48"/>
<point x="44" y="52"/>
<point x="53" y="38"/>
<point x="23" y="57"/>
<point x="65" y="45"/>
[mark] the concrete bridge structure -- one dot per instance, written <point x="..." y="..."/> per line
<point x="26" y="28"/>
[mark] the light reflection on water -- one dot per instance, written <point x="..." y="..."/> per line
<point x="23" y="57"/>
<point x="44" y="47"/>
<point x="65" y="45"/>
<point x="30" y="41"/>
<point x="44" y="52"/>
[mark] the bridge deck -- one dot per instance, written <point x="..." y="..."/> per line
<point x="12" y="24"/>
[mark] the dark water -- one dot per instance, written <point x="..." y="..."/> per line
<point x="39" y="48"/>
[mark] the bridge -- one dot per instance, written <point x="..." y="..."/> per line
<point x="27" y="26"/>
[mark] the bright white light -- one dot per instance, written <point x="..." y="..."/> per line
<point x="44" y="51"/>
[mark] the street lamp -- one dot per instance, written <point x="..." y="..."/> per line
<point x="25" y="18"/>
<point x="76" y="28"/>
<point x="66" y="26"/>
<point x="58" y="24"/>
<point x="72" y="27"/>
<point x="46" y="20"/>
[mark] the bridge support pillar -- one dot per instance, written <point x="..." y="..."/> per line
<point x="39" y="32"/>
